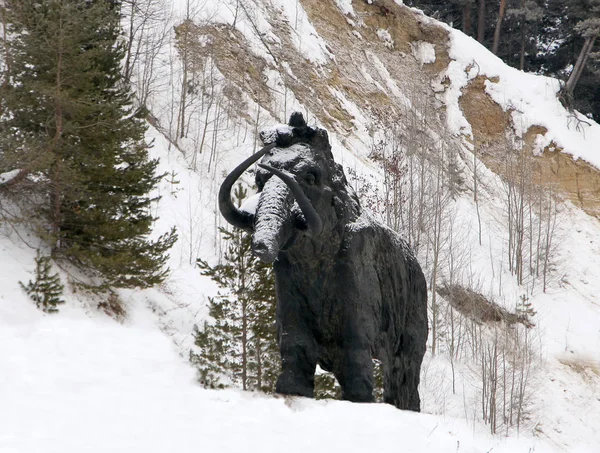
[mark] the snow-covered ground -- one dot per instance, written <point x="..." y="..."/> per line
<point x="81" y="382"/>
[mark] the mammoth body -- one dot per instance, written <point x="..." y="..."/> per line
<point x="348" y="288"/>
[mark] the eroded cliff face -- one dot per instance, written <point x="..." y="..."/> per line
<point x="575" y="180"/>
<point x="371" y="68"/>
<point x="386" y="64"/>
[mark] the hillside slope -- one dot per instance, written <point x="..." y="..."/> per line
<point x="363" y="70"/>
<point x="81" y="382"/>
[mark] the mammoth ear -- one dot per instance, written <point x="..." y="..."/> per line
<point x="297" y="120"/>
<point x="338" y="177"/>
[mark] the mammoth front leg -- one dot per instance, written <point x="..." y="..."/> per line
<point x="298" y="363"/>
<point x="354" y="328"/>
<point x="354" y="372"/>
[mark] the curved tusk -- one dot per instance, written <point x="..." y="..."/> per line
<point x="229" y="211"/>
<point x="313" y="220"/>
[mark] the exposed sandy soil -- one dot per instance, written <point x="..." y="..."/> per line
<point x="577" y="180"/>
<point x="356" y="74"/>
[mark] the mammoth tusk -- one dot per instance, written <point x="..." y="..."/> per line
<point x="313" y="220"/>
<point x="229" y="211"/>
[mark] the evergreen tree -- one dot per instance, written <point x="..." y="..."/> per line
<point x="327" y="387"/>
<point x="520" y="33"/>
<point x="46" y="289"/>
<point x="68" y="126"/>
<point x="240" y="343"/>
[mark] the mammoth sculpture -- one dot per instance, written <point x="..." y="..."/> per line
<point x="348" y="288"/>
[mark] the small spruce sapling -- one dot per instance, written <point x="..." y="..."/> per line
<point x="45" y="290"/>
<point x="238" y="347"/>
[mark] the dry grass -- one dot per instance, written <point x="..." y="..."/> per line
<point x="478" y="308"/>
<point x="589" y="369"/>
<point x="113" y="307"/>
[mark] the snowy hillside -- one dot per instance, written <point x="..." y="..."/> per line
<point x="80" y="381"/>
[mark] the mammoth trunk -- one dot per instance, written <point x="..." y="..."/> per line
<point x="273" y="225"/>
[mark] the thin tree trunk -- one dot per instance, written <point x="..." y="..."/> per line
<point x="258" y="364"/>
<point x="498" y="29"/>
<point x="5" y="79"/>
<point x="235" y="15"/>
<point x="481" y="21"/>
<point x="244" y="301"/>
<point x="580" y="64"/>
<point x="127" y="75"/>
<point x="475" y="197"/>
<point x="467" y="19"/>
<point x="522" y="54"/>
<point x="56" y="192"/>
<point x="244" y="345"/>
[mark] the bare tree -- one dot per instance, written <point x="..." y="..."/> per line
<point x="506" y="363"/>
<point x="147" y="25"/>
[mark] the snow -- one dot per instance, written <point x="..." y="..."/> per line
<point x="80" y="381"/>
<point x="531" y="98"/>
<point x="305" y="38"/>
<point x="73" y="383"/>
<point x="269" y="134"/>
<point x="7" y="176"/>
<point x="345" y="7"/>
<point x="456" y="121"/>
<point x="386" y="37"/>
<point x="249" y="205"/>
<point x="392" y="86"/>
<point x="424" y="52"/>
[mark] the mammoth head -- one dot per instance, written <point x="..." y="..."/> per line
<point x="303" y="192"/>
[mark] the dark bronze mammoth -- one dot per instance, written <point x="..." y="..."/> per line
<point x="348" y="288"/>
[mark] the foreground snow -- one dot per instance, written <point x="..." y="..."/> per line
<point x="81" y="382"/>
<point x="70" y="383"/>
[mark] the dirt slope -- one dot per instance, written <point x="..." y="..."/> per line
<point x="369" y="49"/>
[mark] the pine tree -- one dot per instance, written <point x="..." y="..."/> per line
<point x="524" y="15"/>
<point x="70" y="129"/>
<point x="46" y="289"/>
<point x="239" y="345"/>
<point x="327" y="387"/>
<point x="265" y="361"/>
<point x="214" y="343"/>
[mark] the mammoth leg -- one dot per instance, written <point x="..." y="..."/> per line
<point x="354" y="327"/>
<point x="298" y="364"/>
<point x="407" y="339"/>
<point x="401" y="384"/>
<point x="354" y="372"/>
<point x="402" y="368"/>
